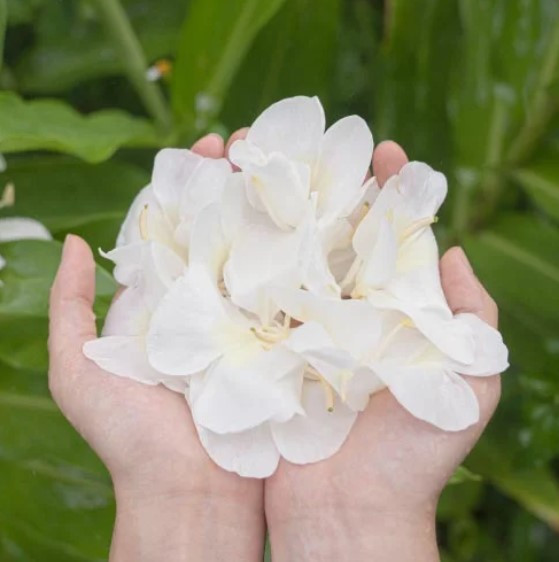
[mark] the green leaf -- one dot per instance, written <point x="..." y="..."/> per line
<point x="30" y="269"/>
<point x="3" y="22"/>
<point x="279" y="62"/>
<point x="540" y="180"/>
<point x="412" y="77"/>
<point x="53" y="125"/>
<point x="517" y="260"/>
<point x="64" y="193"/>
<point x="22" y="11"/>
<point x="214" y="40"/>
<point x="46" y="468"/>
<point x="535" y="488"/>
<point x="462" y="474"/>
<point x="82" y="53"/>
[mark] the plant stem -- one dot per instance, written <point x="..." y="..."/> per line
<point x="543" y="106"/>
<point x="133" y="60"/>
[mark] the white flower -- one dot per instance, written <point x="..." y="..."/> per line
<point x="252" y="388"/>
<point x="307" y="181"/>
<point x="156" y="241"/>
<point x="427" y="382"/>
<point x="279" y="298"/>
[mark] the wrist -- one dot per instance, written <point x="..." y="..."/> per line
<point x="202" y="514"/>
<point x="332" y="533"/>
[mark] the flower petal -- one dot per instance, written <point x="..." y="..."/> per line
<point x="208" y="247"/>
<point x="16" y="228"/>
<point x="124" y="356"/>
<point x="441" y="398"/>
<point x="248" y="387"/>
<point x="204" y="186"/>
<point x="251" y="453"/>
<point x="172" y="170"/>
<point x="491" y="354"/>
<point x="262" y="256"/>
<point x="280" y="187"/>
<point x="186" y="331"/>
<point x="334" y="315"/>
<point x="293" y="126"/>
<point x="345" y="157"/>
<point x="317" y="434"/>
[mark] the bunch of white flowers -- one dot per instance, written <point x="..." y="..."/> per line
<point x="279" y="297"/>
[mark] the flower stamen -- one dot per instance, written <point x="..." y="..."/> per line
<point x="314" y="375"/>
<point x="144" y="223"/>
<point x="416" y="226"/>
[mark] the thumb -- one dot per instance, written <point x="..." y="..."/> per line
<point x="462" y="289"/>
<point x="72" y="321"/>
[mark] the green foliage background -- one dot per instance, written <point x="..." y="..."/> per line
<point x="470" y="86"/>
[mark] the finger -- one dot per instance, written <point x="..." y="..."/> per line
<point x="72" y="321"/>
<point x="240" y="134"/>
<point x="463" y="291"/>
<point x="388" y="159"/>
<point x="210" y="146"/>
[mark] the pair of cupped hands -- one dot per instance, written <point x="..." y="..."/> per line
<point x="374" y="500"/>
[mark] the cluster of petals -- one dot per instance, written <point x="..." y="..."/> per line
<point x="279" y="294"/>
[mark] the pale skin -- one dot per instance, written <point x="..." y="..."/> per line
<point x="374" y="500"/>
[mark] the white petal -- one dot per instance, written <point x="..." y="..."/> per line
<point x="261" y="257"/>
<point x="360" y="387"/>
<point x="280" y="187"/>
<point x="130" y="229"/>
<point x="22" y="228"/>
<point x="292" y="126"/>
<point x="244" y="389"/>
<point x="128" y="315"/>
<point x="186" y="332"/>
<point x="316" y="435"/>
<point x="150" y="265"/>
<point x="204" y="186"/>
<point x="345" y="157"/>
<point x="311" y="341"/>
<point x="491" y="354"/>
<point x="441" y="398"/>
<point x="236" y="210"/>
<point x="124" y="356"/>
<point x="172" y="169"/>
<point x="208" y="247"/>
<point x="251" y="453"/>
<point x="379" y="267"/>
<point x="335" y="315"/>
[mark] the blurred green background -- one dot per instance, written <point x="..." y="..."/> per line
<point x="470" y="86"/>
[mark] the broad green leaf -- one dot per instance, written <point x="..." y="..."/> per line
<point x="46" y="468"/>
<point x="55" y="126"/>
<point x="23" y="344"/>
<point x="282" y="62"/>
<point x="412" y="77"/>
<point x="22" y="11"/>
<point x="83" y="53"/>
<point x="517" y="259"/>
<point x="537" y="489"/>
<point x="540" y="179"/>
<point x="64" y="193"/>
<point x="213" y="42"/>
<point x="28" y="276"/>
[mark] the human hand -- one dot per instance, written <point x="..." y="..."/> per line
<point x="173" y="502"/>
<point x="376" y="498"/>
